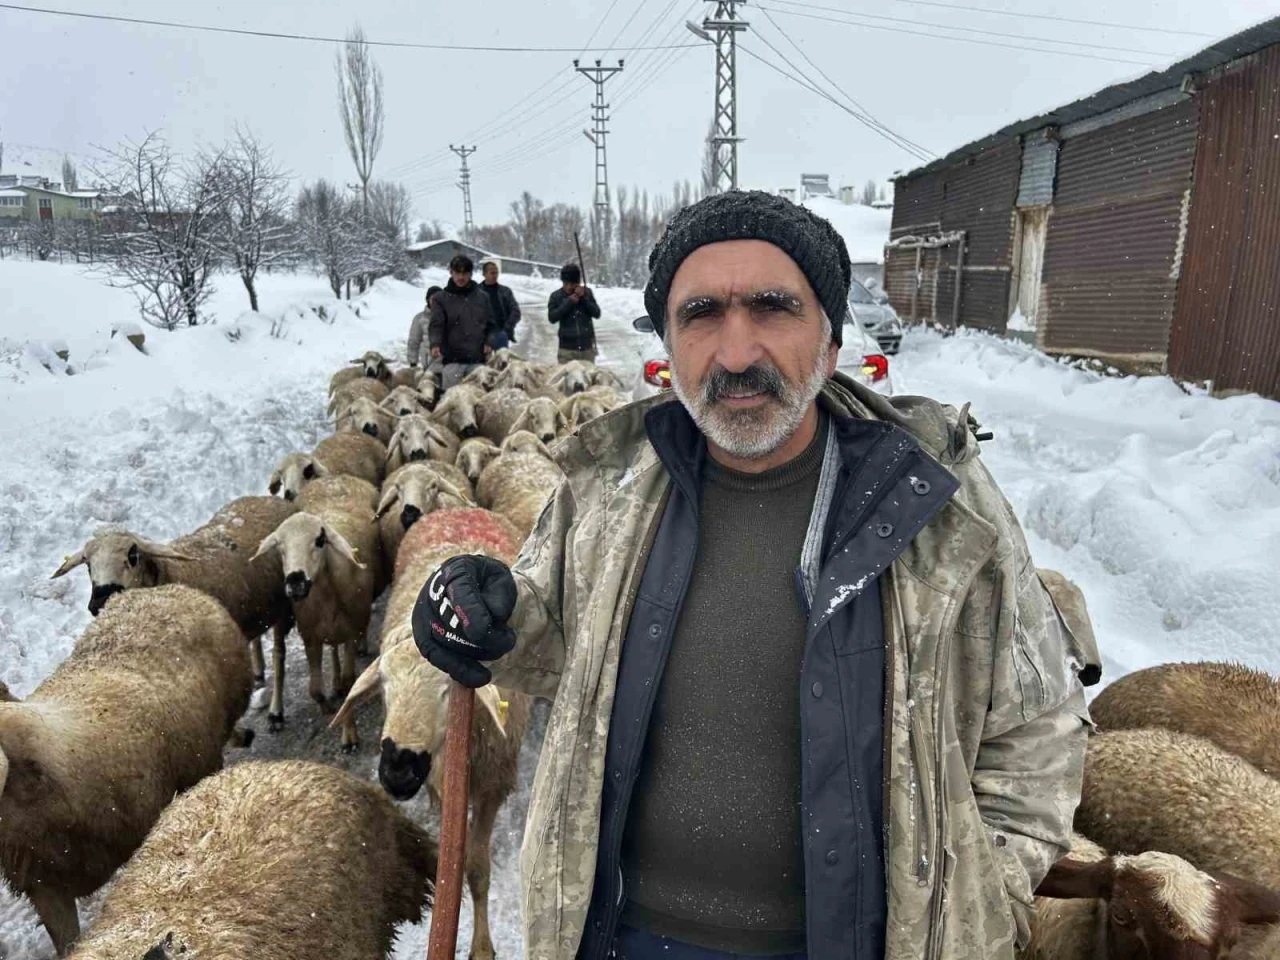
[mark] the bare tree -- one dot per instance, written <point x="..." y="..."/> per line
<point x="253" y="232"/>
<point x="428" y="231"/>
<point x="360" y="103"/>
<point x="327" y="228"/>
<point x="869" y="191"/>
<point x="161" y="246"/>
<point x="70" y="179"/>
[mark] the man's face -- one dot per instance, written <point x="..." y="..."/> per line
<point x="749" y="347"/>
<point x="460" y="277"/>
<point x="491" y="273"/>
<point x="570" y="285"/>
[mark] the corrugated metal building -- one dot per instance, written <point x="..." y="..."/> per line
<point x="1139" y="224"/>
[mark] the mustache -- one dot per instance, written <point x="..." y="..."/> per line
<point x="757" y="378"/>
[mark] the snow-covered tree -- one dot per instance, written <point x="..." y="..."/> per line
<point x="328" y="228"/>
<point x="70" y="178"/>
<point x="162" y="245"/>
<point x="254" y="231"/>
<point x="869" y="191"/>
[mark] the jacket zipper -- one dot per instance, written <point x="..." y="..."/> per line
<point x="934" y="947"/>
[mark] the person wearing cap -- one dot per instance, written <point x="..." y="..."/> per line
<point x="811" y="697"/>
<point x="573" y="309"/>
<point x="418" y="332"/>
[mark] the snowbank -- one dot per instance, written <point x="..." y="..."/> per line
<point x="865" y="229"/>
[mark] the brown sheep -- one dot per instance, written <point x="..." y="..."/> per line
<point x="418" y="489"/>
<point x="342" y="454"/>
<point x="518" y="485"/>
<point x="404" y="377"/>
<point x="1146" y="907"/>
<point x="288" y="860"/>
<point x="474" y="455"/>
<point x="213" y="559"/>
<point x="1157" y="790"/>
<point x="457" y="410"/>
<point x="372" y="365"/>
<point x="417" y="438"/>
<point x="349" y="393"/>
<point x="415" y="695"/>
<point x="365" y="416"/>
<point x="331" y="559"/>
<point x="498" y="410"/>
<point x="403" y="401"/>
<point x="1234" y="706"/>
<point x="137" y="713"/>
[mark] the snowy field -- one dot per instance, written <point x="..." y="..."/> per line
<point x="1164" y="506"/>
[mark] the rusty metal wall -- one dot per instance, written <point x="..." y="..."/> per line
<point x="1110" y="280"/>
<point x="1227" y="326"/>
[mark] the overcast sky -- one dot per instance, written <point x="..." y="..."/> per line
<point x="73" y="84"/>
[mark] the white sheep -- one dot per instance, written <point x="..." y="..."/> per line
<point x="342" y="454"/>
<point x="331" y="558"/>
<point x="602" y="377"/>
<point x="287" y="859"/>
<point x="349" y="393"/>
<point x="518" y="484"/>
<point x="403" y="401"/>
<point x="419" y="488"/>
<point x="570" y="378"/>
<point x="474" y="455"/>
<point x="501" y="357"/>
<point x="137" y="713"/>
<point x="582" y="408"/>
<point x="457" y="409"/>
<point x="415" y="695"/>
<point x="1234" y="706"/>
<point x="404" y="377"/>
<point x="505" y="411"/>
<point x="483" y="377"/>
<point x="372" y="365"/>
<point x="416" y="438"/>
<point x="365" y="416"/>
<point x="213" y="559"/>
<point x="519" y="375"/>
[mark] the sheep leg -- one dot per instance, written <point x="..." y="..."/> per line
<point x="350" y="739"/>
<point x="315" y="669"/>
<point x="259" y="662"/>
<point x="57" y="912"/>
<point x="479" y="864"/>
<point x="275" y="713"/>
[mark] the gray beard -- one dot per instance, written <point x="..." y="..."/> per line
<point x="757" y="433"/>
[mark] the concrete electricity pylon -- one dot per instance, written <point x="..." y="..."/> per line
<point x="464" y="184"/>
<point x="601" y="221"/>
<point x="722" y="29"/>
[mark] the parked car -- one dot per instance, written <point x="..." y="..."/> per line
<point x="876" y="315"/>
<point x="861" y="358"/>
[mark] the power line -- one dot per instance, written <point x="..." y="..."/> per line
<point x="312" y="38"/>
<point x="838" y="88"/>
<point x="985" y="43"/>
<point x="653" y="65"/>
<point x="988" y="33"/>
<point x="599" y="25"/>
<point x="1047" y="16"/>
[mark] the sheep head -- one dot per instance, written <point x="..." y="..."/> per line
<point x="365" y="416"/>
<point x="293" y="473"/>
<point x="307" y="546"/>
<point x="600" y="377"/>
<point x="120" y="561"/>
<point x="519" y="375"/>
<point x="476" y="454"/>
<point x="420" y="491"/>
<point x="522" y="441"/>
<point x="571" y="378"/>
<point x="583" y="408"/>
<point x="500" y="359"/>
<point x="427" y="389"/>
<point x="374" y="365"/>
<point x="542" y="418"/>
<point x="416" y="697"/>
<point x="403" y="401"/>
<point x="1160" y="906"/>
<point x="483" y="377"/>
<point x="457" y="411"/>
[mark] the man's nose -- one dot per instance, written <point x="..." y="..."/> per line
<point x="738" y="346"/>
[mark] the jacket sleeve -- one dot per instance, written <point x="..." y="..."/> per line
<point x="559" y="306"/>
<point x="436" y="328"/>
<point x="536" y="663"/>
<point x="492" y="322"/>
<point x="1030" y="761"/>
<point x="589" y="304"/>
<point x="513" y="312"/>
<point x="415" y="336"/>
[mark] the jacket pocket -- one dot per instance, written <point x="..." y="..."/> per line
<point x="1043" y="650"/>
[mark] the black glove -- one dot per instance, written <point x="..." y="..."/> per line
<point x="461" y="614"/>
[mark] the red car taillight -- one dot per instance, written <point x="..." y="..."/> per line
<point x="658" y="373"/>
<point x="875" y="366"/>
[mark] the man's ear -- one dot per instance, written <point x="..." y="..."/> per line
<point x="833" y="357"/>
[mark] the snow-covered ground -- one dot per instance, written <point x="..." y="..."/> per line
<point x="1164" y="506"/>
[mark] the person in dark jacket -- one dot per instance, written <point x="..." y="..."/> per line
<point x="503" y="303"/>
<point x="463" y="326"/>
<point x="573" y="308"/>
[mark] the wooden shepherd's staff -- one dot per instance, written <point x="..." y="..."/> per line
<point x="453" y="824"/>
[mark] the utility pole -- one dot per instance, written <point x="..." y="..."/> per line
<point x="464" y="184"/>
<point x="601" y="220"/>
<point x="725" y="26"/>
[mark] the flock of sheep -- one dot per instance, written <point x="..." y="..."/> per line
<point x="114" y="763"/>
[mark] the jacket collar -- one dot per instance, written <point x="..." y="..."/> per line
<point x="451" y="287"/>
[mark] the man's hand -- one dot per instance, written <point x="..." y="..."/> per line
<point x="435" y="353"/>
<point x="460" y="618"/>
<point x="578" y="293"/>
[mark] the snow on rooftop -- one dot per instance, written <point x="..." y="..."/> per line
<point x="12" y="193"/>
<point x="865" y="229"/>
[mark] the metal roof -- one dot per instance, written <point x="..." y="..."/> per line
<point x="1216" y="55"/>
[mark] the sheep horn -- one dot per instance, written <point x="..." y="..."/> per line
<point x="388" y="499"/>
<point x="367" y="686"/>
<point x="69" y="563"/>
<point x="339" y="543"/>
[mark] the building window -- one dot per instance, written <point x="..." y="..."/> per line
<point x="85" y="203"/>
<point x="11" y="201"/>
<point x="46" y="204"/>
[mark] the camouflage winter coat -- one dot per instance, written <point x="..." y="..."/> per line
<point x="987" y="733"/>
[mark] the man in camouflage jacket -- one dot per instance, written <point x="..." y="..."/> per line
<point x="943" y="724"/>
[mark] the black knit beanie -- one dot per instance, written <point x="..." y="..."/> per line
<point x="802" y="235"/>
